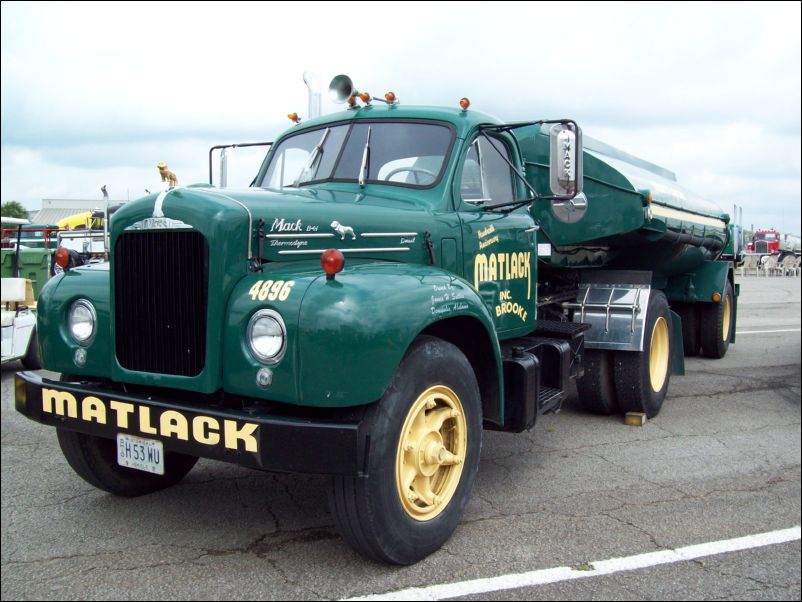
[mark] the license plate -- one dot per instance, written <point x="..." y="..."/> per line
<point x="142" y="454"/>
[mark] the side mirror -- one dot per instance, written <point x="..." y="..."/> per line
<point x="565" y="160"/>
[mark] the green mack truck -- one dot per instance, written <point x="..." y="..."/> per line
<point x="395" y="280"/>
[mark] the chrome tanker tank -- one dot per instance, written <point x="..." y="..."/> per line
<point x="631" y="214"/>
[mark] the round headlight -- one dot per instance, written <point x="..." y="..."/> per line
<point x="267" y="336"/>
<point x="82" y="321"/>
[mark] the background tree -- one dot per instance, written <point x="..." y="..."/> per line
<point x="13" y="209"/>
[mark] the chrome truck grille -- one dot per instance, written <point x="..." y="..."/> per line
<point x="761" y="246"/>
<point x="160" y="295"/>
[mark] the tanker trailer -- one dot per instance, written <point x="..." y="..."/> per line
<point x="632" y="239"/>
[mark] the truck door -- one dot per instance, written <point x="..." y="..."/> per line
<point x="498" y="248"/>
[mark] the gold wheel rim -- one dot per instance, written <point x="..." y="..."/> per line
<point x="725" y="327"/>
<point x="431" y="453"/>
<point x="658" y="355"/>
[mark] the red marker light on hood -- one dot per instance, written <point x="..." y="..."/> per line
<point x="333" y="262"/>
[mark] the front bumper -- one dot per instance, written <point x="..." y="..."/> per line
<point x="273" y="443"/>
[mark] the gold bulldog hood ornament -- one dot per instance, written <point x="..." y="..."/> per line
<point x="167" y="175"/>
<point x="158" y="221"/>
<point x="172" y="181"/>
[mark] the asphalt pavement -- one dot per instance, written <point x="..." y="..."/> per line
<point x="721" y="461"/>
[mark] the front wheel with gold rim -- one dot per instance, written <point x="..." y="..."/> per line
<point x="641" y="377"/>
<point x="425" y="441"/>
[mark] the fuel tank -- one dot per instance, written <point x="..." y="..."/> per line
<point x="631" y="214"/>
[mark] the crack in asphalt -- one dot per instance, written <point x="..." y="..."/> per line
<point x="684" y="495"/>
<point x="67" y="500"/>
<point x="629" y="523"/>
<point x="669" y="435"/>
<point x="703" y="563"/>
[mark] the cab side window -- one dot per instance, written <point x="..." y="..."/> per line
<point x="486" y="176"/>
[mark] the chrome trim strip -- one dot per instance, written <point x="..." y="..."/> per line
<point x="157" y="206"/>
<point x="300" y="236"/>
<point x="368" y="250"/>
<point x="684" y="216"/>
<point x="387" y="234"/>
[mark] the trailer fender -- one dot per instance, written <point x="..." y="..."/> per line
<point x="700" y="285"/>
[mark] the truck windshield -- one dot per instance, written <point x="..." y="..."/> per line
<point x="766" y="236"/>
<point x="407" y="154"/>
<point x="304" y="158"/>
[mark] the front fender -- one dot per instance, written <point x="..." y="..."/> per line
<point x="57" y="346"/>
<point x="347" y="336"/>
<point x="354" y="331"/>
<point x="252" y="293"/>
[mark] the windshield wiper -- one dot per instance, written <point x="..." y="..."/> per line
<point x="363" y="170"/>
<point x="317" y="153"/>
<point x="308" y="172"/>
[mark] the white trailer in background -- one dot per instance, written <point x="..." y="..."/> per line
<point x="19" y="341"/>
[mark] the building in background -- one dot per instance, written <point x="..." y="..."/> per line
<point x="54" y="210"/>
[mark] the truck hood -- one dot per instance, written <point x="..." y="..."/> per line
<point x="298" y="224"/>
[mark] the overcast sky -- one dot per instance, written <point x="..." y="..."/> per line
<point x="99" y="93"/>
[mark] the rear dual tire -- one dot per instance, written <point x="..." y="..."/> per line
<point x="596" y="387"/>
<point x="641" y="377"/>
<point x="717" y="320"/>
<point x="631" y="381"/>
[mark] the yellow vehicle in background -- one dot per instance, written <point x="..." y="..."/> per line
<point x="85" y="235"/>
<point x="81" y="221"/>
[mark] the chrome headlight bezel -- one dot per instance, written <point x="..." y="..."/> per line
<point x="90" y="317"/>
<point x="266" y="318"/>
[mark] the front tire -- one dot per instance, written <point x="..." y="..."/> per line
<point x="32" y="361"/>
<point x="94" y="459"/>
<point x="425" y="442"/>
<point x="642" y="376"/>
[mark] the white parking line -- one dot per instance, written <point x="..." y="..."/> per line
<point x="594" y="569"/>
<point x="767" y="331"/>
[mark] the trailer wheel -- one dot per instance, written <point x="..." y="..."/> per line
<point x="596" y="388"/>
<point x="32" y="361"/>
<point x="691" y="330"/>
<point x="717" y="323"/>
<point x="641" y="377"/>
<point x="423" y="454"/>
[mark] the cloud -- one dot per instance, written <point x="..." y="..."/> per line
<point x="709" y="92"/>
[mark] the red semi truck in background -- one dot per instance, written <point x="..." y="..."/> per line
<point x="772" y="242"/>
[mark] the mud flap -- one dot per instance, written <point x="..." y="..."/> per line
<point x="677" y="354"/>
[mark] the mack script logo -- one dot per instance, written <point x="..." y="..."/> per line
<point x="205" y="430"/>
